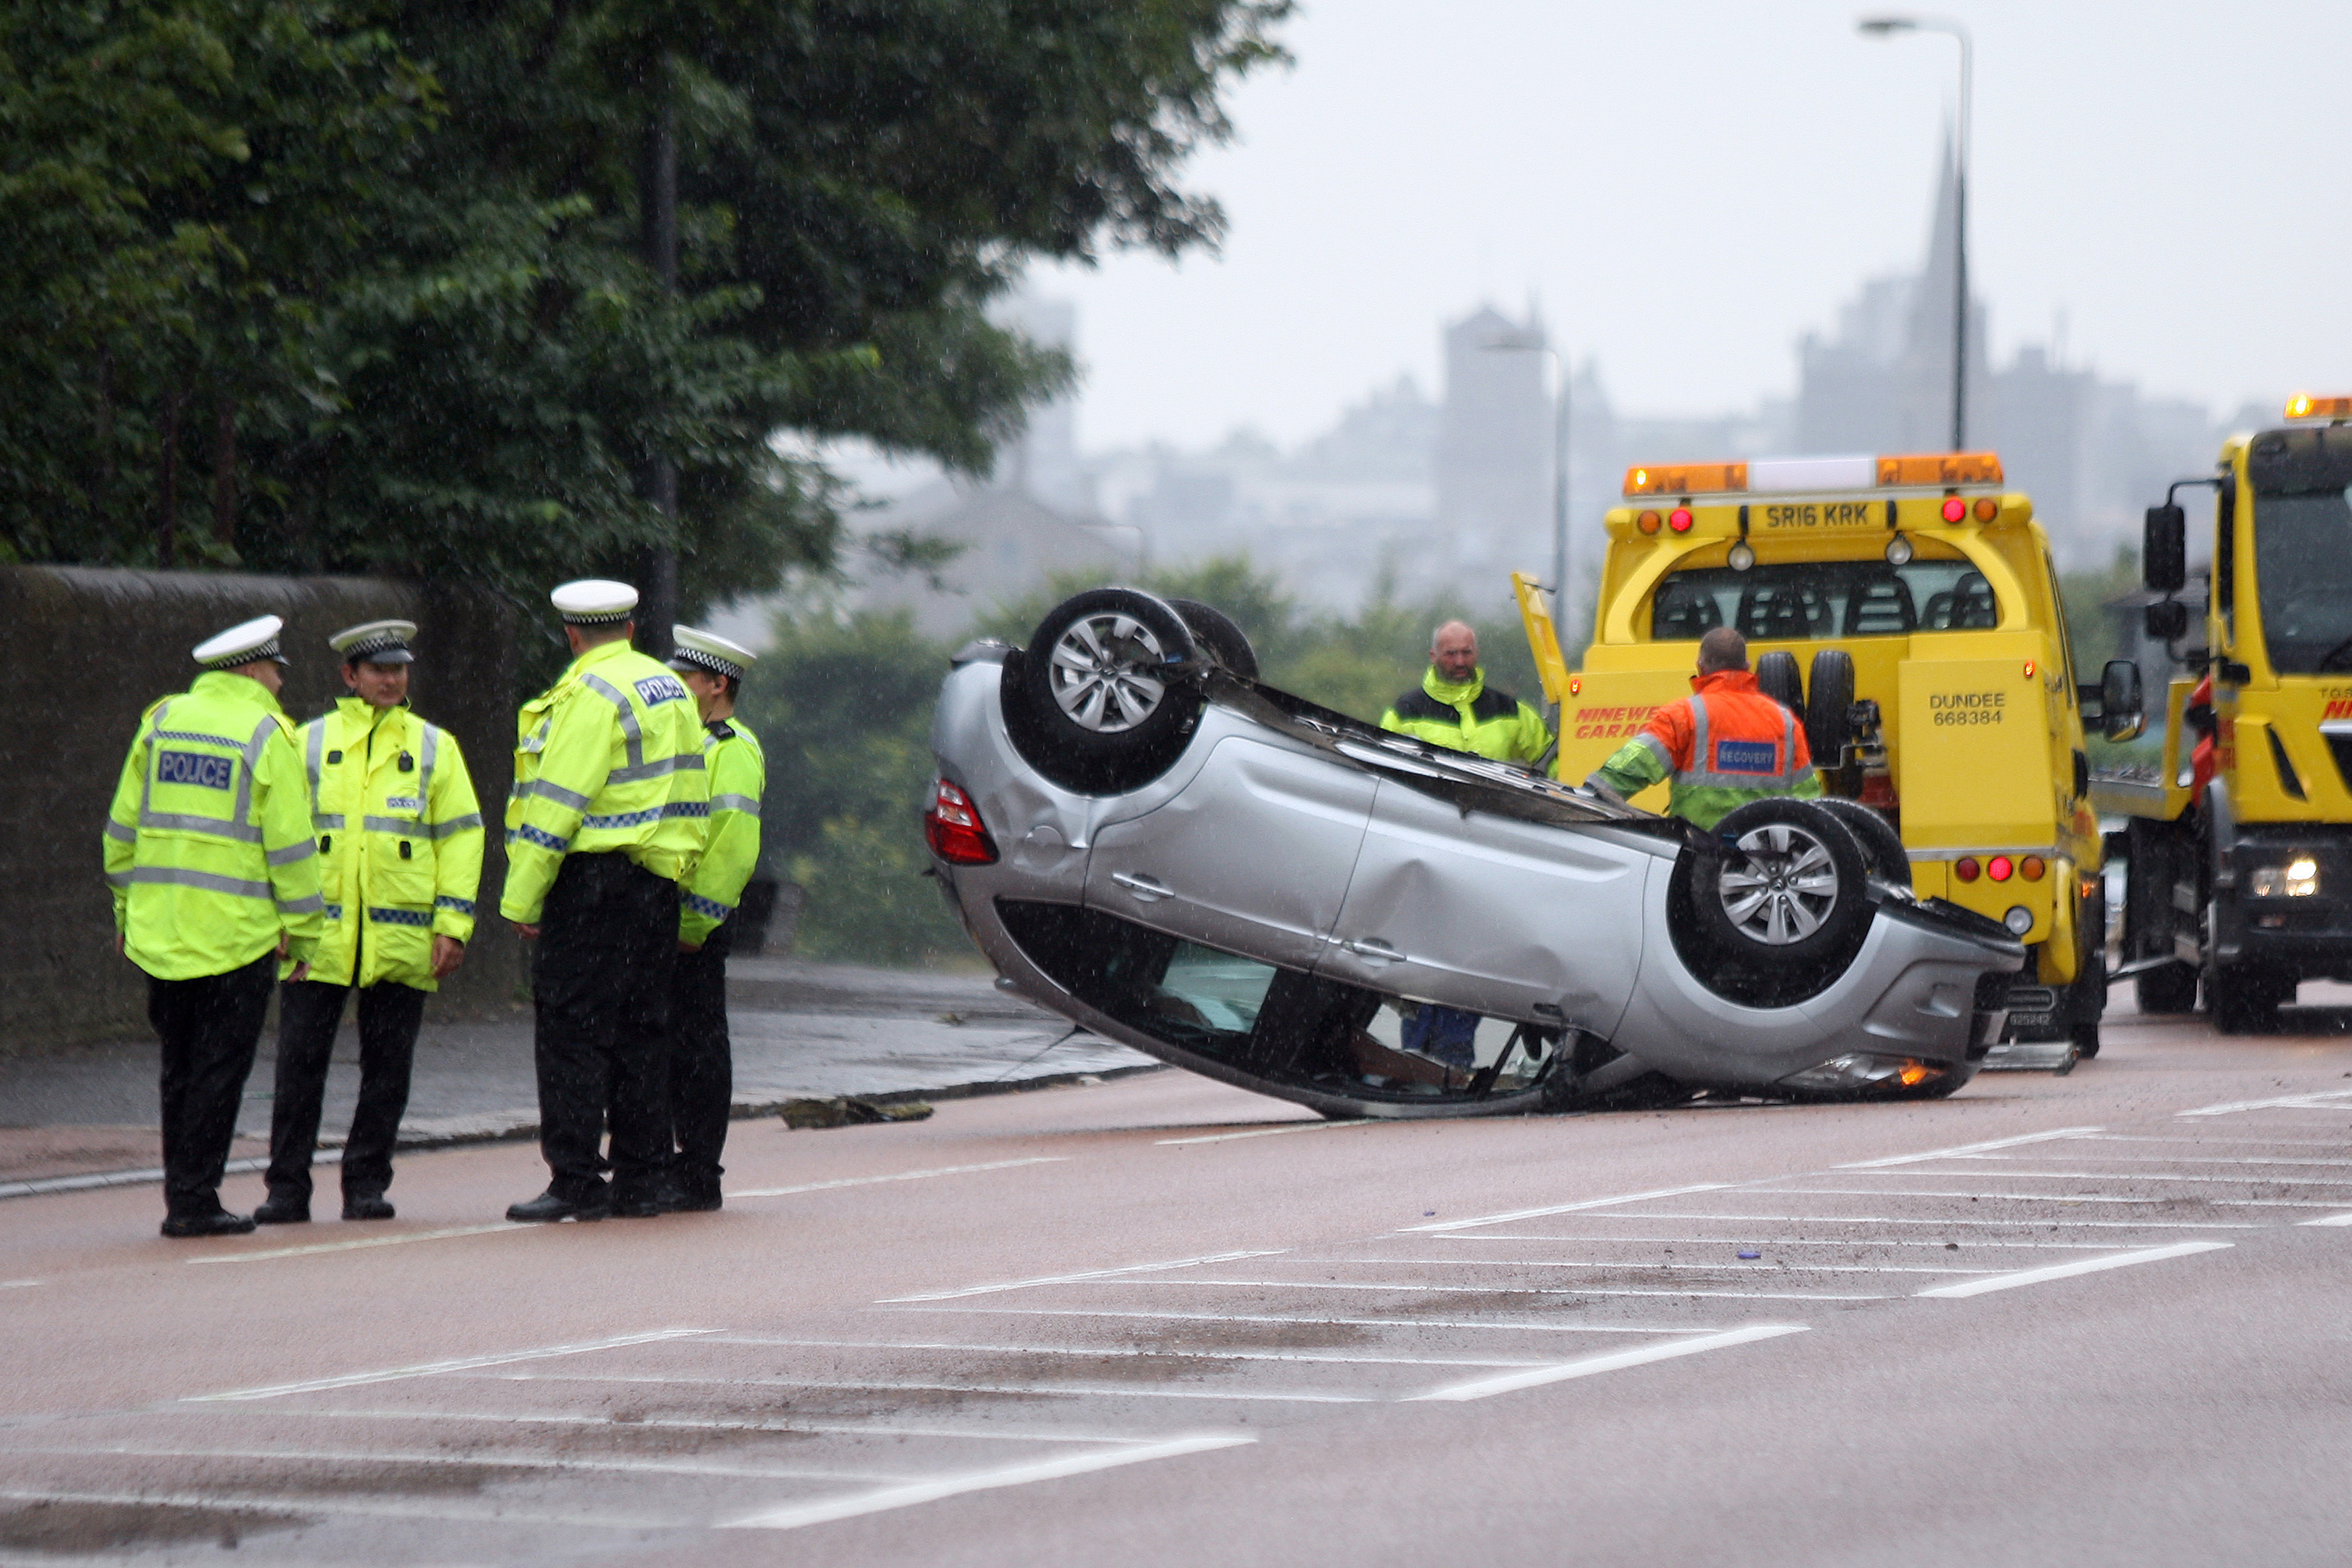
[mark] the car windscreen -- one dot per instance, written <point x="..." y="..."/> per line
<point x="1809" y="600"/>
<point x="2303" y="547"/>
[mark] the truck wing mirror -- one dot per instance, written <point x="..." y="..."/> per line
<point x="2122" y="713"/>
<point x="2166" y="620"/>
<point x="2164" y="553"/>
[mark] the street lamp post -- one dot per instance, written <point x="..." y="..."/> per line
<point x="1887" y="27"/>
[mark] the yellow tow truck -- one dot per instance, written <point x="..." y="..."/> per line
<point x="2238" y="849"/>
<point x="1937" y="688"/>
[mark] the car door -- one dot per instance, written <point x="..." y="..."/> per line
<point x="1492" y="915"/>
<point x="1252" y="855"/>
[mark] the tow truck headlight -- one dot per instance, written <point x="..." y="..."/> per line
<point x="1863" y="1070"/>
<point x="2298" y="879"/>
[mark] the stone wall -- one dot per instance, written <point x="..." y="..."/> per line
<point x="83" y="651"/>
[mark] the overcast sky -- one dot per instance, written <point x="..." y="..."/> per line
<point x="1688" y="187"/>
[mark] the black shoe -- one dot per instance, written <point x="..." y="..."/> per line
<point x="364" y="1205"/>
<point x="551" y="1206"/>
<point x="275" y="1210"/>
<point x="220" y="1222"/>
<point x="637" y="1207"/>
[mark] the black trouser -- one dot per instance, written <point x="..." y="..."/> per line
<point x="308" y="1013"/>
<point x="701" y="1064"/>
<point x="209" y="1027"/>
<point x="600" y="980"/>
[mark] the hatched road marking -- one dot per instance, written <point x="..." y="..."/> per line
<point x="2083" y="1266"/>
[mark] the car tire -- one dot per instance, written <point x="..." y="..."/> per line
<point x="1089" y="703"/>
<point x="1215" y="633"/>
<point x="2171" y="989"/>
<point x="1782" y="885"/>
<point x="1883" y="855"/>
<point x="1777" y="677"/>
<point x="1829" y="712"/>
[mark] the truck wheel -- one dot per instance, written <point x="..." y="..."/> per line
<point x="1783" y="885"/>
<point x="1218" y="636"/>
<point x="2171" y="989"/>
<point x="2244" y="1000"/>
<point x="1883" y="855"/>
<point x="1777" y="677"/>
<point x="1829" y="712"/>
<point x="1091" y="703"/>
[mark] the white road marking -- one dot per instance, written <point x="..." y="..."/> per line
<point x="2329" y="1219"/>
<point x="896" y="1176"/>
<point x="1988" y="1223"/>
<point x="2157" y="1176"/>
<point x="1263" y="1132"/>
<point x="1025" y="1390"/>
<point x="1567" y="1208"/>
<point x="1487" y="1289"/>
<point x="2323" y="1100"/>
<point x="1587" y="1366"/>
<point x="828" y="1428"/>
<point x="793" y="1516"/>
<point x="1936" y="1192"/>
<point x="1726" y="1267"/>
<point x="1481" y="1323"/>
<point x="2085" y="1265"/>
<point x="481" y="1460"/>
<point x="1966" y="1149"/>
<point x="2081" y="1158"/>
<point x="366" y="1241"/>
<point x="1788" y="1241"/>
<point x="460" y="1363"/>
<point x="1078" y="1278"/>
<point x="2276" y="1202"/>
<point x="19" y="1284"/>
<point x="1082" y="1352"/>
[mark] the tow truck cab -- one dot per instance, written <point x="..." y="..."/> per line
<point x="2239" y="853"/>
<point x="1907" y="609"/>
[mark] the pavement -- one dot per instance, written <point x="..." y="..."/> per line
<point x="801" y="1030"/>
<point x="2096" y="1318"/>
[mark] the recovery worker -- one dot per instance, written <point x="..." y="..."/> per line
<point x="215" y="880"/>
<point x="1724" y="746"/>
<point x="701" y="1061"/>
<point x="400" y="842"/>
<point x="606" y="821"/>
<point x="1455" y="708"/>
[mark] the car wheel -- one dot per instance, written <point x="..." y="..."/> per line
<point x="2170" y="989"/>
<point x="1829" y="712"/>
<point x="1216" y="635"/>
<point x="1883" y="855"/>
<point x="1093" y="704"/>
<point x="1783" y="887"/>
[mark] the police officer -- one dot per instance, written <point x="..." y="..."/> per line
<point x="400" y="838"/>
<point x="1453" y="706"/>
<point x="605" y="820"/>
<point x="701" y="1067"/>
<point x="216" y="879"/>
<point x="1724" y="746"/>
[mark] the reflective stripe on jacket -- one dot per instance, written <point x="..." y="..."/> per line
<point x="208" y="845"/>
<point x="400" y="840"/>
<point x="1469" y="717"/>
<point x="731" y="849"/>
<point x="609" y="759"/>
<point x="1724" y="746"/>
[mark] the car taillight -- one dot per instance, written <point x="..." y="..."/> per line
<point x="952" y="827"/>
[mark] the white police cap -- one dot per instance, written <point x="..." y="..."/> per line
<point x="243" y="644"/>
<point x="377" y="642"/>
<point x="594" y="601"/>
<point x="706" y="650"/>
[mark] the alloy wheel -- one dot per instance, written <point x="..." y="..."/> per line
<point x="1102" y="669"/>
<point x="1779" y="885"/>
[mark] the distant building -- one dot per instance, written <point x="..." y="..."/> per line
<point x="1493" y="450"/>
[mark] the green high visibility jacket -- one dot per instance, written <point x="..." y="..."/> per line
<point x="208" y="845"/>
<point x="400" y="840"/>
<point x="1469" y="717"/>
<point x="731" y="849"/>
<point x="608" y="760"/>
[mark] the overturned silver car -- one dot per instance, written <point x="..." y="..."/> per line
<point x="1144" y="838"/>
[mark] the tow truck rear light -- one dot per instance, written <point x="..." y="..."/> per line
<point x="2000" y="867"/>
<point x="1986" y="509"/>
<point x="1955" y="508"/>
<point x="951" y="826"/>
<point x="2302" y="405"/>
<point x="1649" y="521"/>
<point x="1966" y="868"/>
<point x="2031" y="868"/>
<point x="1679" y="519"/>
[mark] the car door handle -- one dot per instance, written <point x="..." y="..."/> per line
<point x="1373" y="947"/>
<point x="1143" y="887"/>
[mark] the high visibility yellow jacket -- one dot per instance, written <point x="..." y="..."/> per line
<point x="739" y="777"/>
<point x="1469" y="716"/>
<point x="609" y="759"/>
<point x="208" y="845"/>
<point x="400" y="838"/>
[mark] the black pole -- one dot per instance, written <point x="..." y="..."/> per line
<point x="658" y="201"/>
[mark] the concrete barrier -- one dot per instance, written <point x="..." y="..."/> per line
<point x="84" y="650"/>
